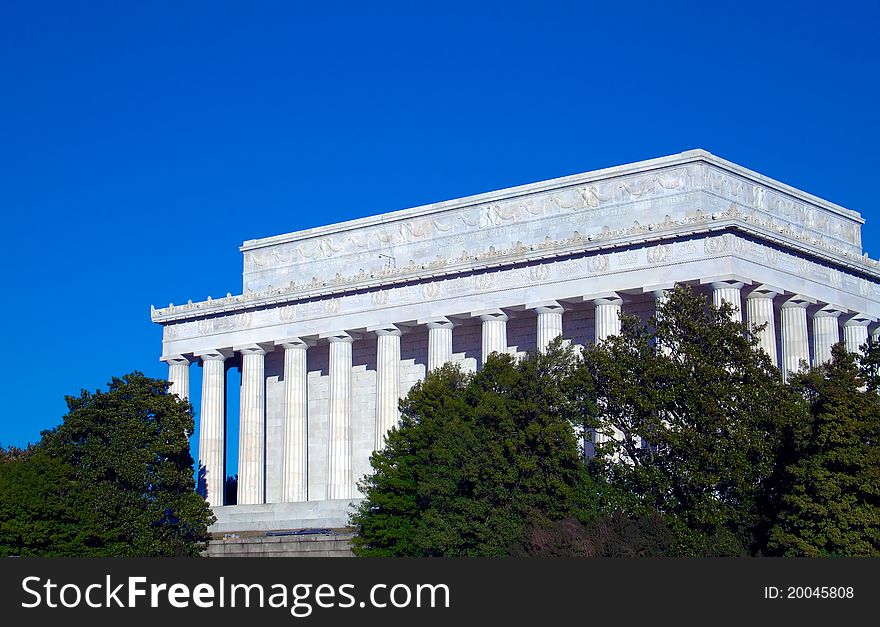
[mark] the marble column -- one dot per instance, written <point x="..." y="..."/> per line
<point x="295" y="455"/>
<point x="252" y="426"/>
<point x="439" y="342"/>
<point x="607" y="324"/>
<point x="212" y="426"/>
<point x="728" y="292"/>
<point x="855" y="332"/>
<point x="875" y="335"/>
<point x="795" y="341"/>
<point x="178" y="375"/>
<point x="607" y="316"/>
<point x="339" y="477"/>
<point x="759" y="311"/>
<point x="549" y="323"/>
<point x="387" y="382"/>
<point x="826" y="333"/>
<point x="494" y="333"/>
<point x="660" y="298"/>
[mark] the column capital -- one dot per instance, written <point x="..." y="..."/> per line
<point x="215" y="354"/>
<point x="548" y="306"/>
<point x="176" y="360"/>
<point x="385" y="329"/>
<point x="603" y="296"/>
<point x="727" y="285"/>
<point x="726" y="280"/>
<point x="339" y="336"/>
<point x="254" y="348"/>
<point x="489" y="315"/>
<point x="658" y="288"/>
<point x="611" y="298"/>
<point x="294" y="343"/>
<point x="765" y="291"/>
<point x="798" y="300"/>
<point x="859" y="320"/>
<point x="829" y="311"/>
<point x="438" y="322"/>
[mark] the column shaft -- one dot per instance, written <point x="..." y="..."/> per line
<point x="387" y="382"/>
<point x="607" y="324"/>
<point x="728" y="292"/>
<point x="252" y="439"/>
<point x="494" y="334"/>
<point x="439" y="343"/>
<point x="339" y="477"/>
<point x="607" y="317"/>
<point x="295" y="461"/>
<point x="826" y="333"/>
<point x="759" y="311"/>
<point x="855" y="333"/>
<point x="212" y="429"/>
<point x="549" y="324"/>
<point x="178" y="376"/>
<point x="660" y="298"/>
<point x="795" y="341"/>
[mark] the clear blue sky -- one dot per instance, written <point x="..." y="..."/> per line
<point x="142" y="142"/>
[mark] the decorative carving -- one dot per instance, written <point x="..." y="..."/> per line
<point x="686" y="249"/>
<point x="659" y="253"/>
<point x="484" y="282"/>
<point x="287" y="313"/>
<point x="670" y="179"/>
<point x="716" y="245"/>
<point x="379" y="298"/>
<point x="432" y="290"/>
<point x="638" y="187"/>
<point x="538" y="274"/>
<point x="598" y="263"/>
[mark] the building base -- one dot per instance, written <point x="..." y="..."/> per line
<point x="317" y="545"/>
<point x="239" y="519"/>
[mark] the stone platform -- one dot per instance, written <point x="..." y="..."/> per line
<point x="333" y="544"/>
<point x="326" y="514"/>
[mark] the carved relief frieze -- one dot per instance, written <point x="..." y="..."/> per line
<point x="539" y="273"/>
<point x="578" y="217"/>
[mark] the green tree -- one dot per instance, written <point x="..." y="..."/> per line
<point x="38" y="514"/>
<point x="474" y="459"/>
<point x="831" y="502"/>
<point x="693" y="413"/>
<point x="132" y="482"/>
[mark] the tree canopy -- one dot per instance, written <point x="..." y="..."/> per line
<point x="831" y="502"/>
<point x="114" y="479"/>
<point x="475" y="458"/>
<point x="704" y="450"/>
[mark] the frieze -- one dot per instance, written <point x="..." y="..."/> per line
<point x="546" y="272"/>
<point x="750" y="214"/>
<point x="475" y="220"/>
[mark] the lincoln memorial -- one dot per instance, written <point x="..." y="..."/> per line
<point x="334" y="324"/>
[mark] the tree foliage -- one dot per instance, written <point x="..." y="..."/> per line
<point x="704" y="450"/>
<point x="831" y="502"/>
<point x="116" y="476"/>
<point x="474" y="458"/>
<point x="38" y="512"/>
<point x="694" y="416"/>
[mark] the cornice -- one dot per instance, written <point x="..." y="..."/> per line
<point x="640" y="167"/>
<point x="735" y="218"/>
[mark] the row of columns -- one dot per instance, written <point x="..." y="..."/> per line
<point x="340" y="485"/>
<point x="760" y="310"/>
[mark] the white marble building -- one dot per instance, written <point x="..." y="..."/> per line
<point x="337" y="322"/>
